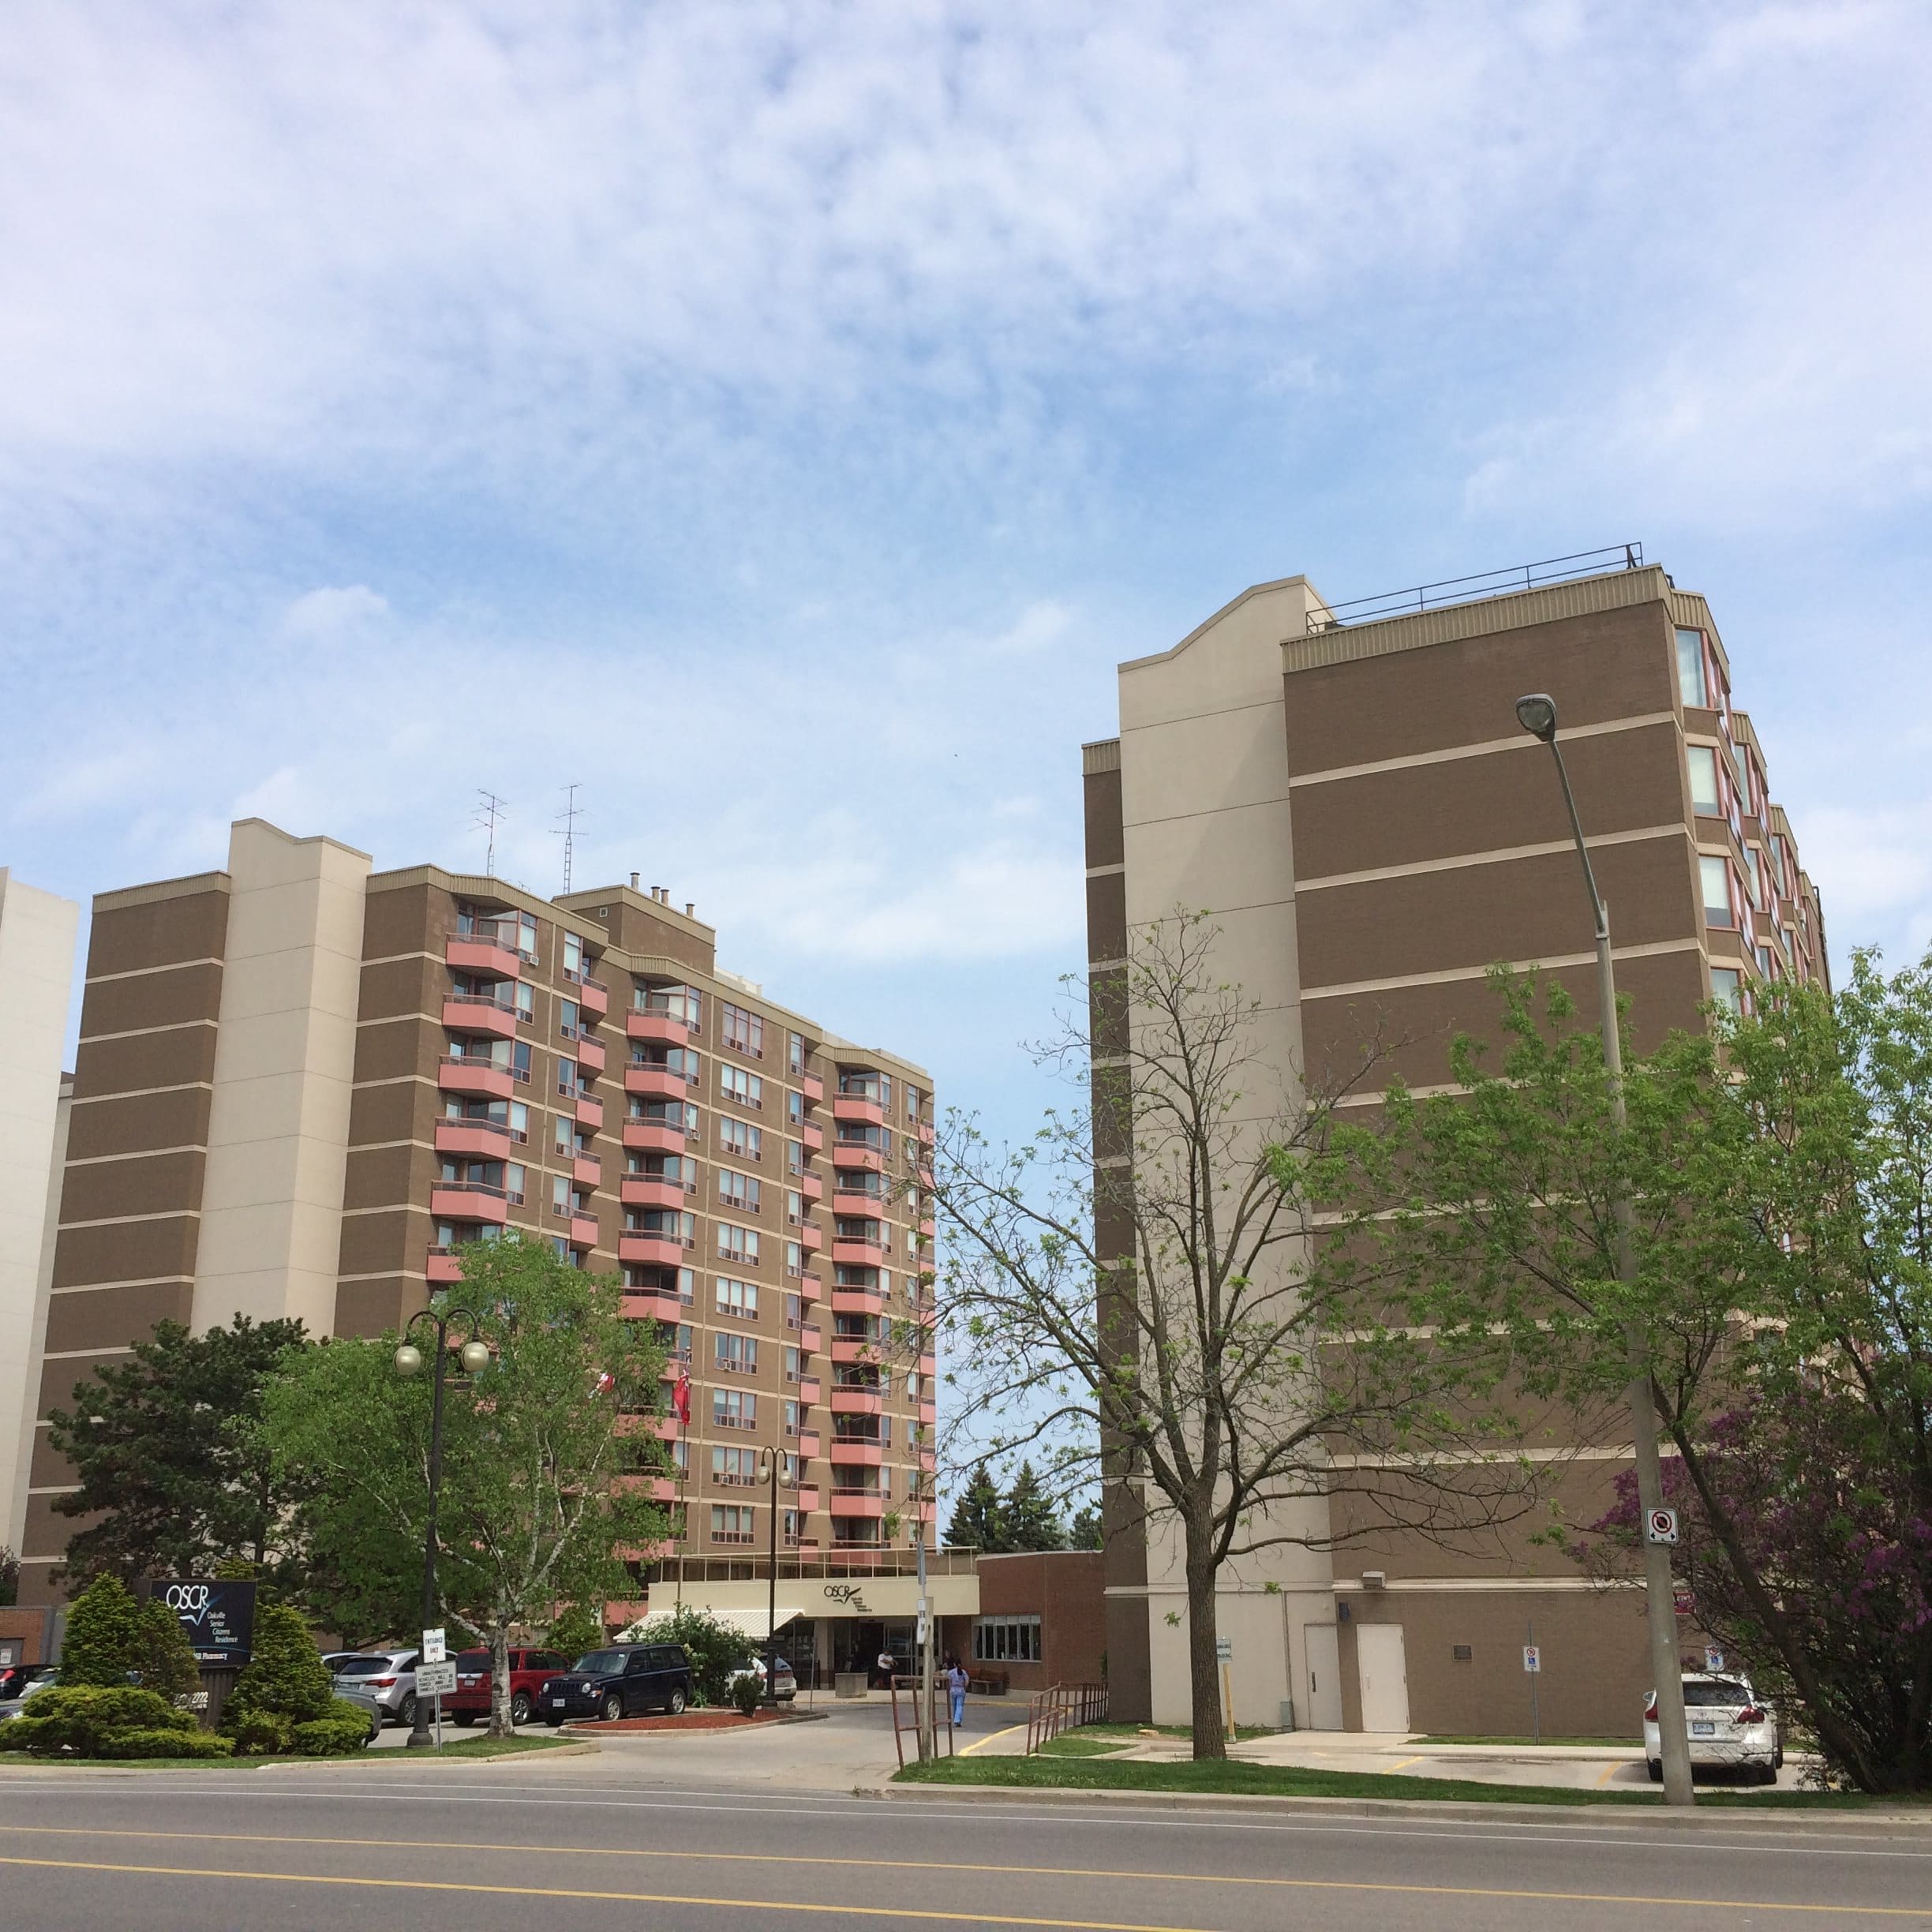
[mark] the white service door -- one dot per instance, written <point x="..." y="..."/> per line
<point x="1384" y="1676"/>
<point x="1324" y="1677"/>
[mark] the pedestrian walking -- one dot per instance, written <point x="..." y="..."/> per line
<point x="956" y="1681"/>
<point x="886" y="1667"/>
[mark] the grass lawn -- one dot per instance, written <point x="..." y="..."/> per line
<point x="470" y="1748"/>
<point x="1067" y="1772"/>
<point x="1073" y="1746"/>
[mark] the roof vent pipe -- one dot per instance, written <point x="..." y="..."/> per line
<point x="633" y="881"/>
<point x="691" y="908"/>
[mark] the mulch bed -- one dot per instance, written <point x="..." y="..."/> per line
<point x="686" y="1720"/>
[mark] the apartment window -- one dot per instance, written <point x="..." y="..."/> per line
<point x="1715" y="875"/>
<point x="914" y="1385"/>
<point x="884" y="1436"/>
<point x="795" y="1209"/>
<point x="678" y="1003"/>
<point x="789" y="1533"/>
<point x="736" y="1354"/>
<point x="792" y="1365"/>
<point x="794" y="1311"/>
<point x="741" y="1138"/>
<point x="795" y="1157"/>
<point x="526" y="934"/>
<point x="795" y="1054"/>
<point x="738" y="1190"/>
<point x="733" y="1522"/>
<point x="1705" y="795"/>
<point x="514" y="1175"/>
<point x="663" y="1224"/>
<point x="1760" y="890"/>
<point x="735" y="1243"/>
<point x="560" y="1191"/>
<point x="850" y="1228"/>
<point x="735" y="1084"/>
<point x="791" y="1418"/>
<point x="525" y="1003"/>
<point x="734" y="1409"/>
<point x="680" y="1456"/>
<point x="1766" y="965"/>
<point x="1780" y="868"/>
<point x="741" y="1030"/>
<point x="854" y="1133"/>
<point x="573" y="956"/>
<point x="680" y="1116"/>
<point x="736" y="1468"/>
<point x="1727" y="988"/>
<point x="1006" y="1640"/>
<point x="737" y="1297"/>
<point x="567" y="1076"/>
<point x="795" y="1109"/>
<point x="1691" y="680"/>
<point x="795" y="1261"/>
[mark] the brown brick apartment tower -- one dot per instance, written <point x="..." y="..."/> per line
<point x="1354" y="802"/>
<point x="302" y="1084"/>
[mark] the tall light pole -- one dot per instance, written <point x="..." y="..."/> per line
<point x="1536" y="713"/>
<point x="768" y="1469"/>
<point x="408" y="1361"/>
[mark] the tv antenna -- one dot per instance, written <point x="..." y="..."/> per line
<point x="572" y="811"/>
<point x="491" y="812"/>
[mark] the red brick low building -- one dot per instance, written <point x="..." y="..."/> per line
<point x="1041" y="1619"/>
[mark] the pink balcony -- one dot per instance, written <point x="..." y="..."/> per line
<point x="852" y="1348"/>
<point x="859" y="1206"/>
<point x="805" y="1545"/>
<point x="583" y="1230"/>
<point x="659" y="1488"/>
<point x="808" y="1499"/>
<point x="586" y="1170"/>
<point x="619" y="1614"/>
<point x="476" y="1076"/>
<point x="813" y="1088"/>
<point x="443" y="1267"/>
<point x="655" y="1083"/>
<point x="810" y="1391"/>
<point x="810" y="1290"/>
<point x="856" y="1502"/>
<point x="663" y="1427"/>
<point x="929" y="1364"/>
<point x="846" y="1156"/>
<point x="929" y="1459"/>
<point x="855" y="1553"/>
<point x="861" y="1113"/>
<point x="468" y="1201"/>
<point x="653" y="1138"/>
<point x="594" y="997"/>
<point x="666" y="1029"/>
<point x="928" y="1230"/>
<point x="924" y="1130"/>
<point x="470" y="1013"/>
<point x="480" y="1138"/>
<point x="590" y="1055"/>
<point x="857" y="1302"/>
<point x="811" y="1337"/>
<point x="650" y="1248"/>
<point x="469" y="953"/>
<point x="589" y="1112"/>
<point x="924" y="1511"/>
<point x="645" y="1191"/>
<point x="641" y="1304"/>
<point x="924" y="1175"/>
<point x="812" y="1187"/>
<point x="807" y="1443"/>
<point x="856" y="1401"/>
<point x="859" y="1454"/>
<point x="814" y="1137"/>
<point x="858" y="1254"/>
<point x="929" y="1414"/>
<point x="811" y="1238"/>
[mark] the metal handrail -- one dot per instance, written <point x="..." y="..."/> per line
<point x="1612" y="557"/>
<point x="1063" y="1707"/>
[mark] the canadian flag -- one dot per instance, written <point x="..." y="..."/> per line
<point x="604" y="1383"/>
<point x="680" y="1397"/>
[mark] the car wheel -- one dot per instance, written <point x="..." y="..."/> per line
<point x="554" y="1723"/>
<point x="1767" y="1773"/>
<point x="613" y="1708"/>
<point x="1656" y="1768"/>
<point x="520" y="1707"/>
<point x="405" y="1711"/>
<point x="465" y="1719"/>
<point x="675" y="1707"/>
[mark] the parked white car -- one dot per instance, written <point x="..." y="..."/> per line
<point x="1730" y="1727"/>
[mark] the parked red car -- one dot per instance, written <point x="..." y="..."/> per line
<point x="528" y="1668"/>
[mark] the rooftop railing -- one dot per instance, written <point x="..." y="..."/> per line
<point x="1602" y="563"/>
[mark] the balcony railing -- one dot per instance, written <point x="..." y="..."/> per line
<point x="1611" y="558"/>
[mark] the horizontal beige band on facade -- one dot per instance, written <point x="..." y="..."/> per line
<point x="130" y="1281"/>
<point x="1482" y="747"/>
<point x="135" y="1154"/>
<point x="390" y="959"/>
<point x="142" y="1093"/>
<point x="1105" y="871"/>
<point x="1458" y="1586"/>
<point x="404" y="1080"/>
<point x="122" y="1348"/>
<point x="1653" y="950"/>
<point x="394" y="1274"/>
<point x="161" y="1214"/>
<point x="1414" y="1093"/>
<point x="1107" y="965"/>
<point x="1498" y="854"/>
<point x="1477" y="1458"/>
<point x="171" y="1026"/>
<point x="414" y="1015"/>
<point x="145" y="972"/>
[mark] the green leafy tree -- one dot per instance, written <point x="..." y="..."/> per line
<point x="976" y="1523"/>
<point x="1083" y="1532"/>
<point x="716" y="1649"/>
<point x="576" y="1630"/>
<point x="546" y="1460"/>
<point x="105" y="1638"/>
<point x="165" y="1454"/>
<point x="1031" y="1521"/>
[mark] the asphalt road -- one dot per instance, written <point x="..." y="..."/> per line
<point x="606" y="1841"/>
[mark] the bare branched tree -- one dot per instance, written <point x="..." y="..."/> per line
<point x="1162" y="1290"/>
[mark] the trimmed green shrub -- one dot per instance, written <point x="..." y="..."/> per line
<point x="196" y="1743"/>
<point x="716" y="1649"/>
<point x="104" y="1639"/>
<point x="166" y="1659"/>
<point x="338" y="1733"/>
<point x="284" y="1680"/>
<point x="259" y="1733"/>
<point x="98" y="1721"/>
<point x="746" y="1694"/>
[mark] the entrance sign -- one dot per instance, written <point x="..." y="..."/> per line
<point x="435" y="1680"/>
<point x="433" y="1650"/>
<point x="1532" y="1658"/>
<point x="1660" y="1526"/>
<point x="217" y="1617"/>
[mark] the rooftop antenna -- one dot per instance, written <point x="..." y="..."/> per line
<point x="572" y="811"/>
<point x="490" y="813"/>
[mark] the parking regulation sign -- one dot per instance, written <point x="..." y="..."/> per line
<point x="437" y="1679"/>
<point x="1660" y="1526"/>
<point x="1532" y="1658"/>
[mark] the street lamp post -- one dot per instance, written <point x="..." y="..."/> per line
<point x="769" y="1460"/>
<point x="1536" y="713"/>
<point x="408" y="1361"/>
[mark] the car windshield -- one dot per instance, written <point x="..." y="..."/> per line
<point x="361" y="1667"/>
<point x="600" y="1663"/>
<point x="1723" y="1692"/>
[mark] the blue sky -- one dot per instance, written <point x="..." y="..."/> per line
<point x="395" y="399"/>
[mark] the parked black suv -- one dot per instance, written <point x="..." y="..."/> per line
<point x="624" y="1681"/>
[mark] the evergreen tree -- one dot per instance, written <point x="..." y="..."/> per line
<point x="166" y="1659"/>
<point x="9" y="1577"/>
<point x="104" y="1639"/>
<point x="1083" y="1532"/>
<point x="976" y="1523"/>
<point x="1028" y="1516"/>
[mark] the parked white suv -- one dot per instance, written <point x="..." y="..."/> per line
<point x="1730" y="1726"/>
<point x="389" y="1676"/>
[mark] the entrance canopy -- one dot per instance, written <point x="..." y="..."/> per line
<point x="743" y="1617"/>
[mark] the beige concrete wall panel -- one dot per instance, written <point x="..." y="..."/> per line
<point x="125" y="1251"/>
<point x="374" y="1308"/>
<point x="132" y="1123"/>
<point x="174" y="998"/>
<point x="1101" y="799"/>
<point x="161" y="932"/>
<point x="174" y="1058"/>
<point x="1626" y="781"/>
<point x="1609" y="664"/>
<point x="1520" y="909"/>
<point x="1415" y="1024"/>
<point x="112" y="1318"/>
<point x="153" y="1184"/>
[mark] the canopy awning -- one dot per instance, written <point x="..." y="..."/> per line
<point x="749" y="1620"/>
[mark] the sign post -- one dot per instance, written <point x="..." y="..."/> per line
<point x="437" y="1680"/>
<point x="1533" y="1667"/>
<point x="1224" y="1653"/>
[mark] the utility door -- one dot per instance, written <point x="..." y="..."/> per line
<point x="1384" y="1676"/>
<point x="1324" y="1677"/>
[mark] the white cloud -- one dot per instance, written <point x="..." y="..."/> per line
<point x="321" y="614"/>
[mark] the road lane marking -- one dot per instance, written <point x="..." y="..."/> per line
<point x="1610" y="1771"/>
<point x="1526" y="1897"/>
<point x="988" y="1738"/>
<point x="1403" y="1766"/>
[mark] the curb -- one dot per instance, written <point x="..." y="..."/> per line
<point x="1605" y="1817"/>
<point x="590" y="1729"/>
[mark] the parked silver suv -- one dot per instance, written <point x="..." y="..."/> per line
<point x="389" y="1676"/>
